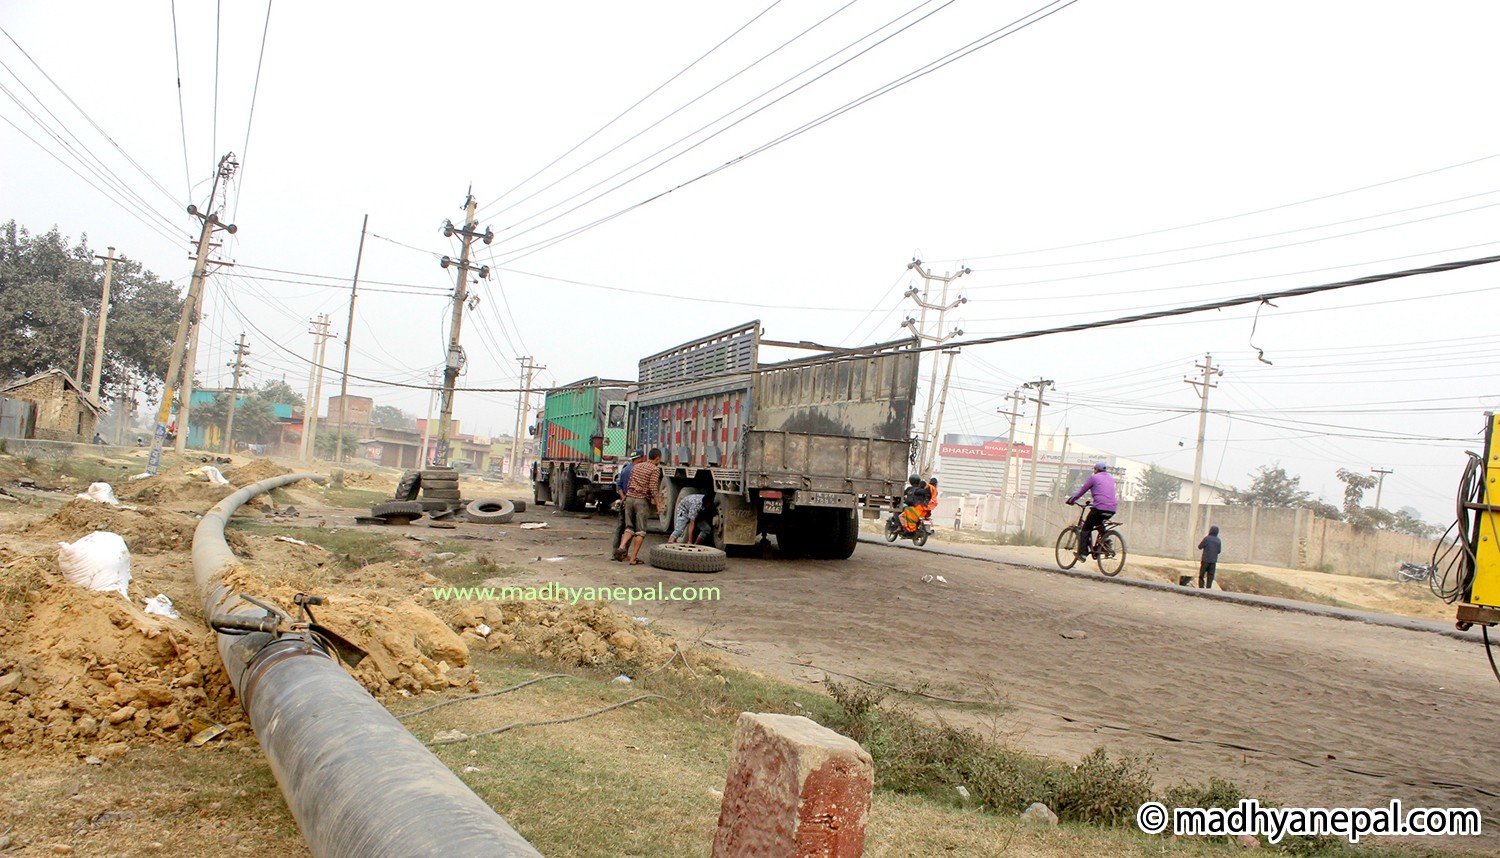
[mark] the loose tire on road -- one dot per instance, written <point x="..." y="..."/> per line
<point x="519" y="505"/>
<point x="440" y="494"/>
<point x="490" y="511"/>
<point x="397" y="512"/>
<point x="1067" y="548"/>
<point x="409" y="486"/>
<point x="439" y="474"/>
<point x="1112" y="556"/>
<point x="679" y="557"/>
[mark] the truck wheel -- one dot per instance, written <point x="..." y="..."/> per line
<point x="565" y="491"/>
<point x="490" y="511"/>
<point x="397" y="512"/>
<point x="844" y="536"/>
<point x="409" y="486"/>
<point x="677" y="557"/>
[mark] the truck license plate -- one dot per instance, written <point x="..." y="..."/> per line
<point x="836" y="499"/>
<point x="772" y="506"/>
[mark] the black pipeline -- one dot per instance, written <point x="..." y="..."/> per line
<point x="357" y="782"/>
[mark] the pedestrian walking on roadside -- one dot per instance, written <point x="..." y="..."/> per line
<point x="1211" y="546"/>
<point x="640" y="499"/>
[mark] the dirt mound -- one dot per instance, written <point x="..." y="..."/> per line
<point x="81" y="671"/>
<point x="254" y="471"/>
<point x="176" y="487"/>
<point x="595" y="635"/>
<point x="408" y="648"/>
<point x="367" y="479"/>
<point x="145" y="530"/>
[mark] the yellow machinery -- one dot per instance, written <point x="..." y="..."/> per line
<point x="1479" y="535"/>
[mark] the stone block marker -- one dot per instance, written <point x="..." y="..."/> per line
<point x="796" y="789"/>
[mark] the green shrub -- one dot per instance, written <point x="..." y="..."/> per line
<point x="1104" y="791"/>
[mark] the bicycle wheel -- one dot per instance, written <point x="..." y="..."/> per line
<point x="1067" y="548"/>
<point x="1111" y="556"/>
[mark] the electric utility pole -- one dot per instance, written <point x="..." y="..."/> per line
<point x="240" y="350"/>
<point x="338" y="444"/>
<point x="919" y="327"/>
<point x="211" y="221"/>
<point x="1040" y="386"/>
<point x="314" y="401"/>
<point x="1015" y="399"/>
<point x="937" y="425"/>
<point x="109" y="269"/>
<point x="523" y="405"/>
<point x="1201" y="387"/>
<point x="190" y="366"/>
<point x="455" y="361"/>
<point x="83" y="344"/>
<point x="426" y="460"/>
<point x="1380" y="472"/>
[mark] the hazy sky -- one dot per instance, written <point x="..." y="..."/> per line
<point x="1110" y="158"/>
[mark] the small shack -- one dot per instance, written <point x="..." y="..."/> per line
<point x="63" y="411"/>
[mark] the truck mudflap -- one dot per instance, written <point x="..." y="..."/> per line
<point x="741" y="523"/>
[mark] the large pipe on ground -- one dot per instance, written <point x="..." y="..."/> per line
<point x="357" y="782"/>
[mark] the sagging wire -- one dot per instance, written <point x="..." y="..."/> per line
<point x="1260" y="353"/>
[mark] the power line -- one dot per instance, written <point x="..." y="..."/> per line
<point x="254" y="93"/>
<point x="627" y="110"/>
<point x="1236" y="216"/>
<point x="181" y="115"/>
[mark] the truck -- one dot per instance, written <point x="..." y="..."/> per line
<point x="582" y="434"/>
<point x="797" y="450"/>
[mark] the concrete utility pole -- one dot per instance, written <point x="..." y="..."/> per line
<point x="937" y="425"/>
<point x="919" y="327"/>
<point x="240" y="350"/>
<point x="190" y="367"/>
<point x="1380" y="472"/>
<point x="109" y="269"/>
<point x="211" y="221"/>
<point x="523" y="405"/>
<point x="1015" y="399"/>
<point x="427" y="424"/>
<point x="338" y="443"/>
<point x="1040" y="386"/>
<point x="455" y="360"/>
<point x="83" y="344"/>
<point x="314" y="404"/>
<point x="1201" y="387"/>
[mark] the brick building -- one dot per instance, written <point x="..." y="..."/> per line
<point x="63" y="411"/>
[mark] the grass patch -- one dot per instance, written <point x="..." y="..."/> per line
<point x="349" y="498"/>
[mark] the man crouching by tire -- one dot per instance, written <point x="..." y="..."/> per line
<point x="640" y="500"/>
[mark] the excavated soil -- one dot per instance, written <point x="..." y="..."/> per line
<point x="584" y="635"/>
<point x="253" y="472"/>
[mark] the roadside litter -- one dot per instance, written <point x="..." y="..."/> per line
<point x="161" y="606"/>
<point x="210" y="473"/>
<point x="100" y="493"/>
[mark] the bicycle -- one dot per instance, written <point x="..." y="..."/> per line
<point x="1108" y="548"/>
<point x="1416" y="572"/>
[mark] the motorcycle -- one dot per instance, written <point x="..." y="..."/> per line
<point x="894" y="530"/>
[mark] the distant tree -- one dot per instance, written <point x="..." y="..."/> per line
<point x="1324" y="510"/>
<point x="1355" y="485"/>
<point x="392" y="418"/>
<point x="1157" y="486"/>
<point x="1409" y="520"/>
<point x="326" y="439"/>
<point x="281" y="393"/>
<point x="46" y="284"/>
<point x="254" y="418"/>
<point x="1271" y="486"/>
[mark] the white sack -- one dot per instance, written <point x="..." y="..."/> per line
<point x="99" y="561"/>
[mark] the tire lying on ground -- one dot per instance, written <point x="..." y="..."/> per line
<point x="410" y="485"/>
<point x="490" y="511"/>
<point x="520" y="505"/>
<point x="677" y="557"/>
<point x="439" y="494"/>
<point x="397" y="512"/>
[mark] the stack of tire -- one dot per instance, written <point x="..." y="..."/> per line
<point x="440" y="485"/>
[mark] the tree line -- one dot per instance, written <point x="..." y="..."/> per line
<point x="1271" y="486"/>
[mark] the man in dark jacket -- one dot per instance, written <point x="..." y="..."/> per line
<point x="1211" y="546"/>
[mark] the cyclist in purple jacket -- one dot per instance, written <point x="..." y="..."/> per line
<point x="1102" y="485"/>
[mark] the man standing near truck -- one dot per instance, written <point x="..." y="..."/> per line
<point x="622" y="483"/>
<point x="640" y="500"/>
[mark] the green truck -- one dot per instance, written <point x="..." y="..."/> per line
<point x="583" y="435"/>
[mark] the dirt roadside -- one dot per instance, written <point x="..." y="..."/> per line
<point x="1307" y="710"/>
